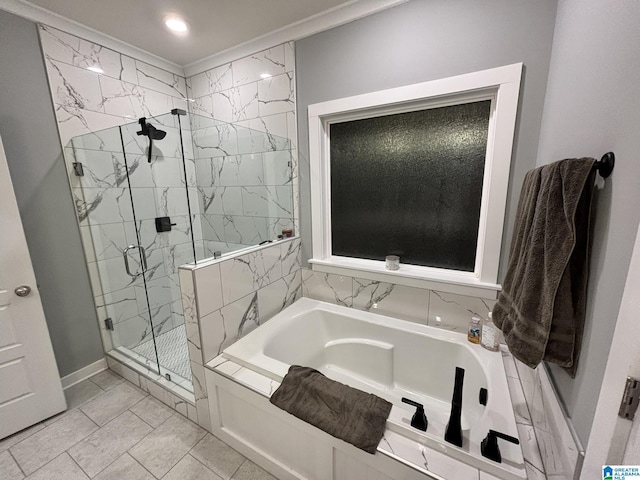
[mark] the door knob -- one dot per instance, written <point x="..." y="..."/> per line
<point x="23" y="290"/>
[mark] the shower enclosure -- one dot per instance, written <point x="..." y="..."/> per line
<point x="165" y="191"/>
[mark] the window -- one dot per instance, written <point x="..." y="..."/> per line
<point x="419" y="171"/>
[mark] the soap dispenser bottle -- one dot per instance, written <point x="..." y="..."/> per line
<point x="473" y="335"/>
<point x="489" y="337"/>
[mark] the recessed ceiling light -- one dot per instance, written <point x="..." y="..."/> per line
<point x="176" y="24"/>
<point x="95" y="68"/>
<point x="265" y="75"/>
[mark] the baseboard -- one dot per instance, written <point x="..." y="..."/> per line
<point x="84" y="373"/>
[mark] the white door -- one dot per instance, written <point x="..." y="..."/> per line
<point x="614" y="440"/>
<point x="30" y="388"/>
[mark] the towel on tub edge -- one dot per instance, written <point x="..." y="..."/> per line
<point x="346" y="413"/>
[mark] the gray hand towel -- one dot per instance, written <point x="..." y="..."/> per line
<point x="542" y="304"/>
<point x="346" y="413"/>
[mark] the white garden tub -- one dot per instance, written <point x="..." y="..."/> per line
<point x="393" y="358"/>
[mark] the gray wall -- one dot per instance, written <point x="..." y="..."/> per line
<point x="593" y="106"/>
<point x="29" y="132"/>
<point x="425" y="40"/>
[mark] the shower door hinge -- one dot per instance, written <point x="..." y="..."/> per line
<point x="78" y="170"/>
<point x="630" y="398"/>
<point x="108" y="324"/>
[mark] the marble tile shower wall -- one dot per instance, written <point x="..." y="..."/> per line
<point x="225" y="300"/>
<point x="429" y="307"/>
<point x="247" y="171"/>
<point x="86" y="103"/>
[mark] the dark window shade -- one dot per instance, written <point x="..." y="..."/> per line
<point x="410" y="184"/>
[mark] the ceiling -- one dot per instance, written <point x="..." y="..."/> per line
<point x="215" y="25"/>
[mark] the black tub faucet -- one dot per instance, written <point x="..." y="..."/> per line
<point x="453" y="433"/>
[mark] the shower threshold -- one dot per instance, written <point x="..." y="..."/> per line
<point x="172" y="354"/>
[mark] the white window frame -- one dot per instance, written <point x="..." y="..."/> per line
<point x="502" y="86"/>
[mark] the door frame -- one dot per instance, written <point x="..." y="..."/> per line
<point x="607" y="427"/>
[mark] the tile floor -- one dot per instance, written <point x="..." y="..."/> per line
<point x="115" y="431"/>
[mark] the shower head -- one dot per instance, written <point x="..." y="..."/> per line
<point x="152" y="132"/>
<point x="155" y="134"/>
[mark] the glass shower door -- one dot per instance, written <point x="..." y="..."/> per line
<point x="100" y="185"/>
<point x="164" y="239"/>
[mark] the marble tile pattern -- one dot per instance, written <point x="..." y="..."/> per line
<point x="252" y="163"/>
<point x="226" y="299"/>
<point x="247" y="158"/>
<point x="146" y="441"/>
<point x="429" y="307"/>
<point x="240" y="293"/>
<point x="86" y="103"/>
<point x="561" y="453"/>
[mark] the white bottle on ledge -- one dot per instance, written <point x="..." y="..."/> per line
<point x="489" y="337"/>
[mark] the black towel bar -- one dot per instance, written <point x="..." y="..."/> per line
<point x="605" y="164"/>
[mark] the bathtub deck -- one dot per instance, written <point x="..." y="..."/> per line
<point x="398" y="447"/>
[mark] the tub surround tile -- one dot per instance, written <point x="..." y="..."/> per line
<point x="201" y="396"/>
<point x="454" y="312"/>
<point x="247" y="273"/>
<point x="226" y="367"/>
<point x="208" y="288"/>
<point x="398" y="301"/>
<point x="277" y="296"/>
<point x="45" y="445"/>
<point x="214" y="333"/>
<point x="327" y="287"/>
<point x="167" y="444"/>
<point x="424" y="458"/>
<point x="529" y="445"/>
<point x="290" y="256"/>
<point x="190" y="314"/>
<point x="535" y="474"/>
<point x="238" y="319"/>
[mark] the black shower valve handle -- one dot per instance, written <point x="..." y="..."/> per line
<point x="419" y="419"/>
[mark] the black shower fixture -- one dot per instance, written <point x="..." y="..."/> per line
<point x="152" y="132"/>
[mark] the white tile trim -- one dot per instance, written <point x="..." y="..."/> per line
<point x="323" y="21"/>
<point x="84" y="373"/>
<point x="41" y="15"/>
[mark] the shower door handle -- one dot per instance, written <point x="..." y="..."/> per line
<point x="143" y="260"/>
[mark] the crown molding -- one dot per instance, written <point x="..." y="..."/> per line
<point x="38" y="14"/>
<point x="304" y="28"/>
<point x="334" y="17"/>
